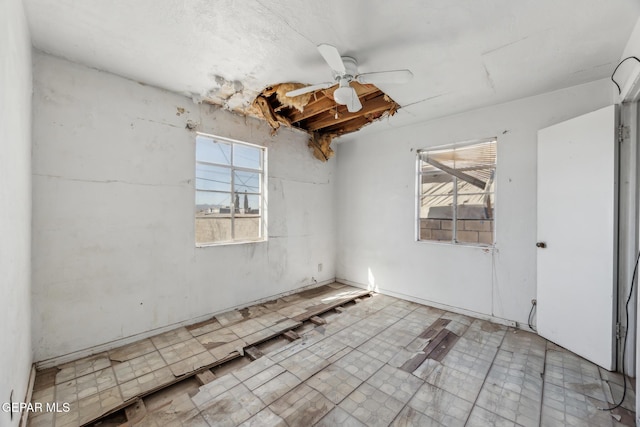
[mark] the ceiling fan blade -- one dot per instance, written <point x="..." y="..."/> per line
<point x="354" y="103"/>
<point x="395" y="76"/>
<point x="307" y="89"/>
<point x="332" y="56"/>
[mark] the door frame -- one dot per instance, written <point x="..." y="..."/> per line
<point x="628" y="232"/>
<point x="629" y="99"/>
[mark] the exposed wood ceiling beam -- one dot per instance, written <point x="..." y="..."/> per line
<point x="326" y="103"/>
<point x="328" y="118"/>
<point x="346" y="127"/>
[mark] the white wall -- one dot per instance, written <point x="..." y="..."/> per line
<point x="15" y="205"/>
<point x="633" y="44"/>
<point x="376" y="207"/>
<point x="113" y="222"/>
<point x="627" y="72"/>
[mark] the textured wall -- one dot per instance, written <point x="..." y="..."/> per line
<point x="15" y="205"/>
<point x="114" y="235"/>
<point x="376" y="204"/>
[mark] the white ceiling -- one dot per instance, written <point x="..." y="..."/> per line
<point x="464" y="53"/>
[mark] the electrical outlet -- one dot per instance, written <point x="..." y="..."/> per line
<point x="319" y="267"/>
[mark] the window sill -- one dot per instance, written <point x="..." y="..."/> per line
<point x="240" y="242"/>
<point x="463" y="244"/>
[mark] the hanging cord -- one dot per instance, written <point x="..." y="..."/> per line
<point x="533" y="307"/>
<point x="616" y="69"/>
<point x="624" y="345"/>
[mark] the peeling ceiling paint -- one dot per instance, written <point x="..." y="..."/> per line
<point x="464" y="54"/>
<point x="231" y="95"/>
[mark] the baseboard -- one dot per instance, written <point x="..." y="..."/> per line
<point x="454" y="309"/>
<point x="69" y="357"/>
<point x="27" y="398"/>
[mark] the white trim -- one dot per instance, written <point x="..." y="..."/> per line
<point x="630" y="91"/>
<point x="456" y="145"/>
<point x="32" y="380"/>
<point x="454" y="219"/>
<point x="627" y="231"/>
<point x="58" y="360"/>
<point x="231" y="140"/>
<point x="262" y="172"/>
<point x="229" y="243"/>
<point x="453" y="309"/>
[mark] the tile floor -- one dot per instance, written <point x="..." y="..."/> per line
<point x="351" y="371"/>
<point x="99" y="384"/>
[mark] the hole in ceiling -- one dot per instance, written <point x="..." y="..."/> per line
<point x="318" y="113"/>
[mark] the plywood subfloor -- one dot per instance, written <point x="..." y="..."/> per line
<point x="385" y="361"/>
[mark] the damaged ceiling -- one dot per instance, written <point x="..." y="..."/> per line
<point x="319" y="114"/>
<point x="464" y="54"/>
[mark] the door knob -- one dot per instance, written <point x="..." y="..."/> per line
<point x="541" y="245"/>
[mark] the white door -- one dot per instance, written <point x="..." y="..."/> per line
<point x="577" y="235"/>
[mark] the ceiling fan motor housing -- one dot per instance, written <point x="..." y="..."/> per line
<point x="351" y="69"/>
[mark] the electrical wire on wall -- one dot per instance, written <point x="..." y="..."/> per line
<point x="533" y="307"/>
<point x="624" y="344"/>
<point x="616" y="69"/>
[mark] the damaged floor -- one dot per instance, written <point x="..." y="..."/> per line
<point x="335" y="356"/>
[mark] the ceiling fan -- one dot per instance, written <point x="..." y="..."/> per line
<point x="345" y="70"/>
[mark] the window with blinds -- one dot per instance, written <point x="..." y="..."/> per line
<point x="456" y="193"/>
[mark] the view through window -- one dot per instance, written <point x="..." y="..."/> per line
<point x="229" y="191"/>
<point x="456" y="189"/>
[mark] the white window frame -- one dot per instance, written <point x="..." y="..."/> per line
<point x="454" y="221"/>
<point x="262" y="194"/>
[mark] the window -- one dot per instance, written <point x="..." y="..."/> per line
<point x="229" y="191"/>
<point x="456" y="186"/>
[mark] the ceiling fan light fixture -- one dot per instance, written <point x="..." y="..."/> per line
<point x="344" y="94"/>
